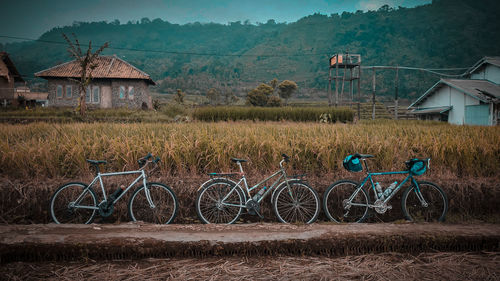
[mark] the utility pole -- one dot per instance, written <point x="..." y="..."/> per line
<point x="336" y="83"/>
<point x="373" y="94"/>
<point x="396" y="94"/>
<point x="359" y="92"/>
<point x="330" y="86"/>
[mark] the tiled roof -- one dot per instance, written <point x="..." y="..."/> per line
<point x="107" y="67"/>
<point x="6" y="66"/>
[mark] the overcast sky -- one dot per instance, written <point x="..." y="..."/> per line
<point x="31" y="18"/>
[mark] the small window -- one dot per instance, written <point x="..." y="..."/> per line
<point x="95" y="94"/>
<point x="68" y="91"/>
<point x="122" y="92"/>
<point x="59" y="91"/>
<point x="131" y="92"/>
<point x="87" y="95"/>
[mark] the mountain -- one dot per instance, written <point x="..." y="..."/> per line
<point x="237" y="56"/>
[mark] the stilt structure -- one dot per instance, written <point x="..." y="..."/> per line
<point x="346" y="63"/>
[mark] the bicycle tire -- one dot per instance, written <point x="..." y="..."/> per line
<point x="164" y="200"/>
<point x="333" y="202"/>
<point x="433" y="195"/>
<point x="302" y="207"/>
<point x="59" y="206"/>
<point x="208" y="205"/>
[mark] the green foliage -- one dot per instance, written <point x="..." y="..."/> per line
<point x="300" y="114"/>
<point x="260" y="95"/>
<point x="274" y="101"/>
<point x="287" y="88"/>
<point x="446" y="33"/>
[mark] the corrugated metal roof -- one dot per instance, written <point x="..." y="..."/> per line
<point x="490" y="60"/>
<point x="439" y="109"/>
<point x="107" y="67"/>
<point x="482" y="90"/>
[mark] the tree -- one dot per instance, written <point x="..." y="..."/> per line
<point x="213" y="96"/>
<point x="274" y="101"/>
<point x="179" y="98"/>
<point x="260" y="95"/>
<point x="87" y="62"/>
<point x="274" y="83"/>
<point x="286" y="89"/>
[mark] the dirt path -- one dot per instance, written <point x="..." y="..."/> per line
<point x="137" y="241"/>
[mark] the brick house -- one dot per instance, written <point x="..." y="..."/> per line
<point x="115" y="83"/>
<point x="9" y="76"/>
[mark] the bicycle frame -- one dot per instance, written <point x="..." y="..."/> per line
<point x="398" y="187"/>
<point x="281" y="173"/>
<point x="99" y="177"/>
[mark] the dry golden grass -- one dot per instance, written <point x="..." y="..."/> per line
<point x="53" y="150"/>
<point x="388" y="266"/>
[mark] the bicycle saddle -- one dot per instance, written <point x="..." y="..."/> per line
<point x="238" y="160"/>
<point x="96" y="162"/>
<point x="363" y="156"/>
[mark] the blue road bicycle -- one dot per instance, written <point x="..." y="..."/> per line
<point x="348" y="201"/>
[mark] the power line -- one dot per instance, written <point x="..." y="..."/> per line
<point x="430" y="70"/>
<point x="171" y="52"/>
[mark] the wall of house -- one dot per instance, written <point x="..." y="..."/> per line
<point x="489" y="72"/>
<point x="448" y="96"/>
<point x="141" y="93"/>
<point x="6" y="88"/>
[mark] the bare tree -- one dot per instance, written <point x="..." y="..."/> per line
<point x="87" y="62"/>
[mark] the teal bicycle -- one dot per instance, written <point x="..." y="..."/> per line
<point x="348" y="201"/>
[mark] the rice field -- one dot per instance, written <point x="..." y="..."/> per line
<point x="60" y="150"/>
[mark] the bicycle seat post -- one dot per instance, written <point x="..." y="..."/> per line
<point x="241" y="167"/>
<point x="366" y="165"/>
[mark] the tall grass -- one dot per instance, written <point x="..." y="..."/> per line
<point x="297" y="114"/>
<point x="53" y="150"/>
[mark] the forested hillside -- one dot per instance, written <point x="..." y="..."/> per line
<point x="197" y="56"/>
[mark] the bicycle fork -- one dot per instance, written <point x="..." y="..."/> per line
<point x="146" y="191"/>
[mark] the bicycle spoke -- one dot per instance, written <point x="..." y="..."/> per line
<point x="301" y="206"/>
<point x="436" y="203"/>
<point x="212" y="209"/>
<point x="335" y="198"/>
<point x="61" y="205"/>
<point x="163" y="199"/>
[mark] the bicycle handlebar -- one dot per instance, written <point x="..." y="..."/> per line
<point x="144" y="160"/>
<point x="285" y="157"/>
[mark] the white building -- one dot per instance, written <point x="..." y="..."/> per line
<point x="472" y="101"/>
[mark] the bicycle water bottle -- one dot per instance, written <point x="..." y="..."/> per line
<point x="389" y="189"/>
<point x="379" y="190"/>
<point x="259" y="194"/>
<point x="115" y="195"/>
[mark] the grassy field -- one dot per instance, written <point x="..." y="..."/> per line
<point x="51" y="150"/>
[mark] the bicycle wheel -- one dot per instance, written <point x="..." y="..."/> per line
<point x="434" y="196"/>
<point x="211" y="208"/>
<point x="297" y="204"/>
<point x="164" y="201"/>
<point x="64" y="209"/>
<point x="336" y="198"/>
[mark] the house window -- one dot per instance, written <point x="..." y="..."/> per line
<point x="59" y="91"/>
<point x="122" y="92"/>
<point x="131" y="92"/>
<point x="68" y="91"/>
<point x="87" y="95"/>
<point x="95" y="94"/>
